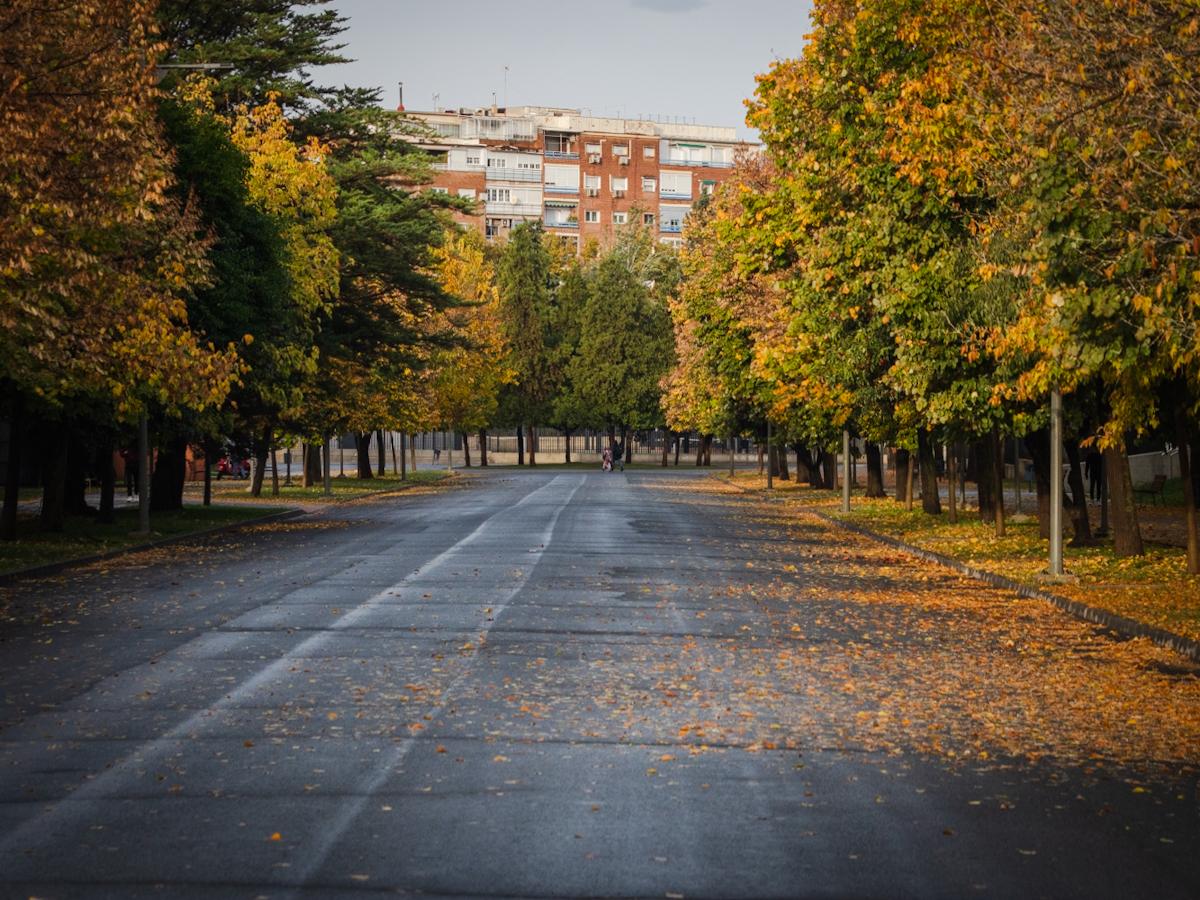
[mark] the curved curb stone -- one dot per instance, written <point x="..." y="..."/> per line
<point x="1121" y="625"/>
<point x="62" y="565"/>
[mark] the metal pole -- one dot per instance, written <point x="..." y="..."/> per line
<point x="770" y="460"/>
<point x="732" y="449"/>
<point x="845" y="470"/>
<point x="144" y="474"/>
<point x="1056" y="485"/>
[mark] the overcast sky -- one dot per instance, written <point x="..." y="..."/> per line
<point x="678" y="58"/>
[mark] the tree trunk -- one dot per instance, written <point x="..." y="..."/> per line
<point x="166" y="483"/>
<point x="627" y="444"/>
<point x="666" y="448"/>
<point x="985" y="479"/>
<point x="901" y="475"/>
<point x="392" y="444"/>
<point x="1079" y="511"/>
<point x="12" y="471"/>
<point x="998" y="481"/>
<point x="874" y="471"/>
<point x="54" y="485"/>
<point x="260" y="461"/>
<point x="274" y="472"/>
<point x="108" y="481"/>
<point x="403" y="458"/>
<point x="466" y="451"/>
<point x="210" y="453"/>
<point x="362" y="443"/>
<point x="567" y="446"/>
<point x="381" y="455"/>
<point x="708" y="442"/>
<point x="520" y="445"/>
<point x="412" y="451"/>
<point x="75" y="502"/>
<point x="910" y="470"/>
<point x="483" y="448"/>
<point x="1183" y="440"/>
<point x="931" y="502"/>
<point x="952" y="479"/>
<point x="1127" y="537"/>
<point x="700" y="453"/>
<point x="781" y="455"/>
<point x="532" y="442"/>
<point x="1038" y="445"/>
<point x="313" y="470"/>
<point x="804" y="473"/>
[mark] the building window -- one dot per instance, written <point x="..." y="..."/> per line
<point x="467" y="193"/>
<point x="497" y="162"/>
<point x="707" y="187"/>
<point x="499" y="195"/>
<point x="562" y="179"/>
<point x="647" y="218"/>
<point x="619" y="183"/>
<point x="591" y="182"/>
<point x="620" y="149"/>
<point x="675" y="184"/>
<point x="591" y="215"/>
<point x="560" y="144"/>
<point x="620" y="218"/>
<point x="439" y="190"/>
<point x="648" y="184"/>
<point x="648" y="152"/>
<point x="591" y="148"/>
<point x="473" y="160"/>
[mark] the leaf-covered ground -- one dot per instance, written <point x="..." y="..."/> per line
<point x="1154" y="588"/>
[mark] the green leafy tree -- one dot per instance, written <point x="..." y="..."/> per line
<point x="625" y="348"/>
<point x="523" y="279"/>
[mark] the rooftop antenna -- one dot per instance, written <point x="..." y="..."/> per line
<point x="506" y="87"/>
<point x="400" y="105"/>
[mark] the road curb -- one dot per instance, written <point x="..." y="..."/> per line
<point x="55" y="567"/>
<point x="1121" y="625"/>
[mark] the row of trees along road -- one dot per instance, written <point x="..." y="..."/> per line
<point x="588" y="338"/>
<point x="243" y="259"/>
<point x="963" y="206"/>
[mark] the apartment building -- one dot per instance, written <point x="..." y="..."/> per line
<point x="582" y="176"/>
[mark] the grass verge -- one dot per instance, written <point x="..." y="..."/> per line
<point x="343" y="489"/>
<point x="83" y="536"/>
<point x="1154" y="588"/>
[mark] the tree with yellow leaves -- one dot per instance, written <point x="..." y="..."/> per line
<point x="466" y="376"/>
<point x="97" y="257"/>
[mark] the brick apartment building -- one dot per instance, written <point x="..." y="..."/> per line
<point x="580" y="175"/>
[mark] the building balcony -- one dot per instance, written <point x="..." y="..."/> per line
<point x="503" y="173"/>
<point x="671" y="227"/>
<point x="559" y="223"/>
<point x="560" y="154"/>
<point x="560" y="188"/>
<point x="446" y="167"/>
<point x="693" y="163"/>
<point x="496" y="208"/>
<point x="668" y="195"/>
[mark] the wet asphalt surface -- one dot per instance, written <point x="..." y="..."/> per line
<point x="495" y="691"/>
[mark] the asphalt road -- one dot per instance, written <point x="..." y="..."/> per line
<point x="548" y="684"/>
